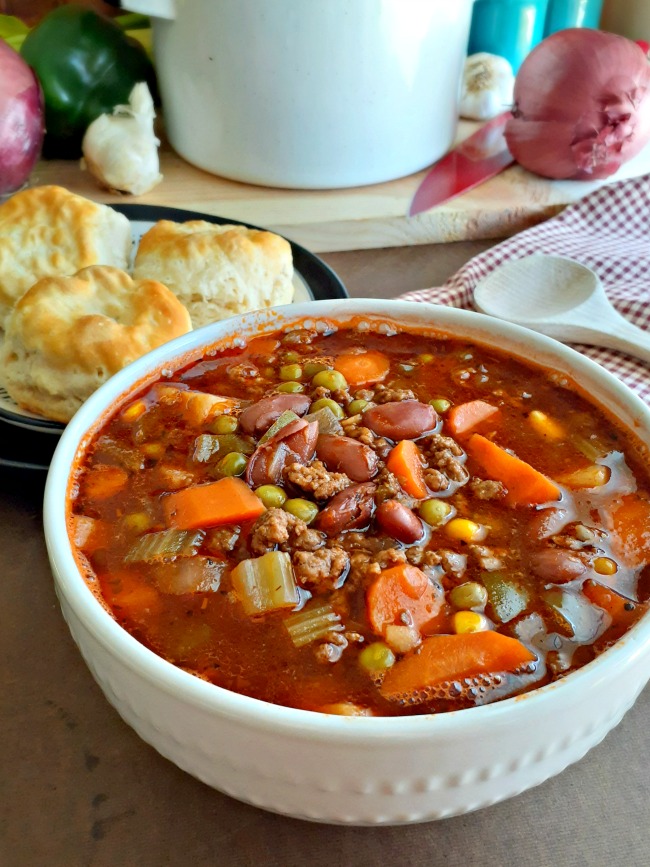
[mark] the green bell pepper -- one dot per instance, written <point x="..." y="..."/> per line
<point x="86" y="65"/>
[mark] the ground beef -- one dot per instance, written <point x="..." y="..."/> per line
<point x="453" y="562"/>
<point x="444" y="454"/>
<point x="388" y="485"/>
<point x="279" y="529"/>
<point x="221" y="539"/>
<point x="352" y="428"/>
<point x="332" y="649"/>
<point x="564" y="540"/>
<point x="486" y="558"/>
<point x="355" y="541"/>
<point x="435" y="480"/>
<point x="486" y="489"/>
<point x="323" y="570"/>
<point x="320" y="392"/>
<point x="315" y="479"/>
<point x="364" y="394"/>
<point x="385" y="394"/>
<point x="418" y="556"/>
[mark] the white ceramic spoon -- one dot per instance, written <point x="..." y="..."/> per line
<point x="561" y="298"/>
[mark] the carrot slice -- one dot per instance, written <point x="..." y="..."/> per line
<point x="526" y="485"/>
<point x="611" y="602"/>
<point x="399" y="589"/>
<point x="227" y="501"/>
<point x="362" y="367"/>
<point x="405" y="461"/>
<point x="104" y="481"/>
<point x="629" y="522"/>
<point x="465" y="417"/>
<point x="445" y="658"/>
<point x="133" y="595"/>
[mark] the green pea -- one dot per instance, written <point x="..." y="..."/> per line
<point x="331" y="379"/>
<point x="357" y="406"/>
<point x="272" y="496"/>
<point x="268" y="372"/>
<point x="290" y="371"/>
<point x="305" y="510"/>
<point x="224" y="424"/>
<point x="311" y="368"/>
<point x="440" y="404"/>
<point x="290" y="357"/>
<point x="327" y="403"/>
<point x="469" y="595"/>
<point x="426" y="358"/>
<point x="376" y="657"/>
<point x="232" y="464"/>
<point x="291" y="387"/>
<point x="434" y="512"/>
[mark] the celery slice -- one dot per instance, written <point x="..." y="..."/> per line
<point x="155" y="547"/>
<point x="311" y="624"/>
<point x="207" y="445"/>
<point x="282" y="421"/>
<point x="327" y="421"/>
<point x="507" y="598"/>
<point x="265" y="583"/>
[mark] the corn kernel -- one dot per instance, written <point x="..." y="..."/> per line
<point x="469" y="621"/>
<point x="546" y="426"/>
<point x="464" y="530"/>
<point x="134" y="411"/>
<point x="605" y="566"/>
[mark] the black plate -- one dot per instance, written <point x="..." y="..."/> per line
<point x="21" y="448"/>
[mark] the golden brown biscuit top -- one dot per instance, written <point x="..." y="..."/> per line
<point x="98" y="318"/>
<point x="48" y="230"/>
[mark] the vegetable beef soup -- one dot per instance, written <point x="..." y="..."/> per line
<point x="366" y="522"/>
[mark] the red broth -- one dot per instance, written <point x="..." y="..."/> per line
<point x="366" y="523"/>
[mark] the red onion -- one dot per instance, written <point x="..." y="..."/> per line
<point x="21" y="120"/>
<point x="581" y="105"/>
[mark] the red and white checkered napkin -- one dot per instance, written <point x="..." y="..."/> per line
<point x="609" y="231"/>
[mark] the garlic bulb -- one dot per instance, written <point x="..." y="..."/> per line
<point x="488" y="83"/>
<point x="121" y="149"/>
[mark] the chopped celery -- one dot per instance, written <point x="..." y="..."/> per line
<point x="311" y="624"/>
<point x="208" y="445"/>
<point x="327" y="421"/>
<point x="282" y="421"/>
<point x="265" y="583"/>
<point x="507" y="598"/>
<point x="155" y="547"/>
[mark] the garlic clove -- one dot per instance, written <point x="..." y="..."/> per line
<point x="488" y="84"/>
<point x="121" y="149"/>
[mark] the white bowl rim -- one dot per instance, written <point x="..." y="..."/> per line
<point x="256" y="713"/>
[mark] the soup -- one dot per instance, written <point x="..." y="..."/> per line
<point x="366" y="522"/>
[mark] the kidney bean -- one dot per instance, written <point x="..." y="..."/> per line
<point x="401" y="419"/>
<point x="344" y="455"/>
<point x="258" y="418"/>
<point x="548" y="522"/>
<point x="398" y="521"/>
<point x="351" y="509"/>
<point x="556" y="566"/>
<point x="296" y="442"/>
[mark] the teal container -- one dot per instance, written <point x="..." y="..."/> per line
<point x="509" y="28"/>
<point x="572" y="13"/>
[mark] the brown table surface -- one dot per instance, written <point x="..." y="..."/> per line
<point x="78" y="787"/>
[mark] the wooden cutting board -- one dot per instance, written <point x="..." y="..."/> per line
<point x="352" y="219"/>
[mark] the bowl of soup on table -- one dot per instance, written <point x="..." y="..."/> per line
<point x="359" y="561"/>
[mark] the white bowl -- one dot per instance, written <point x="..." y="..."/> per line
<point x="355" y="770"/>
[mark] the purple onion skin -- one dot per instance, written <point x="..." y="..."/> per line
<point x="21" y="120"/>
<point x="581" y="105"/>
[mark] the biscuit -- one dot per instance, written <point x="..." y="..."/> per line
<point x="217" y="271"/>
<point x="67" y="335"/>
<point x="48" y="231"/>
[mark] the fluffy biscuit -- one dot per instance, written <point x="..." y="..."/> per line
<point x="46" y="231"/>
<point x="217" y="271"/>
<point x="67" y="335"/>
